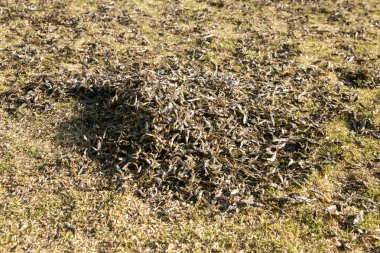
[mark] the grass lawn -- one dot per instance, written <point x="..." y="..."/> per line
<point x="316" y="63"/>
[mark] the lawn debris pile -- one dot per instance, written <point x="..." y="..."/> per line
<point x="195" y="136"/>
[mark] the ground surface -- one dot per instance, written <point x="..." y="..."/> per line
<point x="204" y="126"/>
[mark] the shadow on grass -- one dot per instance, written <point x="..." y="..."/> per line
<point x="109" y="130"/>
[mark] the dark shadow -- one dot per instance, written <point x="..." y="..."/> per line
<point x="110" y="129"/>
<point x="358" y="78"/>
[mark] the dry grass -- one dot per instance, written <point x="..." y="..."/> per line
<point x="53" y="199"/>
